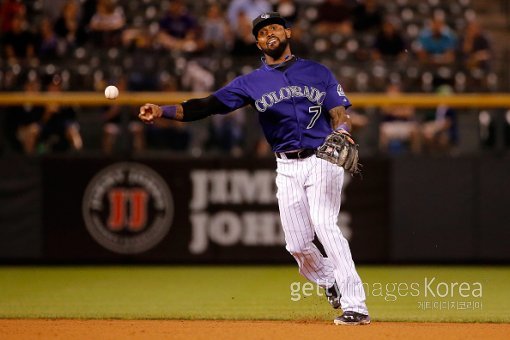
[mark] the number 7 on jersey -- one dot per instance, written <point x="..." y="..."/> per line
<point x="317" y="112"/>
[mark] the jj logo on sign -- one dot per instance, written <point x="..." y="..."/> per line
<point x="128" y="208"/>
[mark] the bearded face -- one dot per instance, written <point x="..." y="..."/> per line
<point x="273" y="40"/>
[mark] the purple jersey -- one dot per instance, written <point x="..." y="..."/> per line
<point x="293" y="104"/>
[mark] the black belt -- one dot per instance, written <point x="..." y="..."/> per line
<point x="305" y="153"/>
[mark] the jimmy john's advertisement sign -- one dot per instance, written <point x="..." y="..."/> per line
<point x="171" y="211"/>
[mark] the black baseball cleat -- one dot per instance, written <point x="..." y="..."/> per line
<point x="333" y="295"/>
<point x="352" y="319"/>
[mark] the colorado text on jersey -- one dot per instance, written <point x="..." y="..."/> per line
<point x="269" y="99"/>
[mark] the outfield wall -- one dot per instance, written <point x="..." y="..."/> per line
<point x="89" y="209"/>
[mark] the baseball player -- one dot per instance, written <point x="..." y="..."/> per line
<point x="299" y="104"/>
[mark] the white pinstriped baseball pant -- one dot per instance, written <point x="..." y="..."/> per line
<point x="309" y="197"/>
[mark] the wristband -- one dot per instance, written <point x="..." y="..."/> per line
<point x="169" y="111"/>
<point x="344" y="127"/>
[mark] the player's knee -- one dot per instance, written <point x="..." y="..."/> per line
<point x="298" y="250"/>
<point x="328" y="225"/>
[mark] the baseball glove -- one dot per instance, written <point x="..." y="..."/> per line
<point x="340" y="149"/>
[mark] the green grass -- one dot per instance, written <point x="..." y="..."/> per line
<point x="262" y="292"/>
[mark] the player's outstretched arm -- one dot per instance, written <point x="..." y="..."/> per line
<point x="190" y="110"/>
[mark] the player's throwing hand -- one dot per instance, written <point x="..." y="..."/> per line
<point x="149" y="112"/>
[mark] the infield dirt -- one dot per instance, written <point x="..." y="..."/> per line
<point x="209" y="329"/>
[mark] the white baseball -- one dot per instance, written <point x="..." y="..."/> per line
<point x="111" y="92"/>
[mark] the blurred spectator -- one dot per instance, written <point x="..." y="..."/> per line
<point x="10" y="78"/>
<point x="9" y="10"/>
<point x="244" y="41"/>
<point x="87" y="10"/>
<point x="299" y="44"/>
<point x="60" y="130"/>
<point x="22" y="121"/>
<point x="507" y="130"/>
<point x="262" y="148"/>
<point x="116" y="118"/>
<point x="178" y="29"/>
<point x="389" y="43"/>
<point x="368" y="16"/>
<point x="18" y="43"/>
<point x="399" y="126"/>
<point x="437" y="43"/>
<point x="169" y="135"/>
<point x="439" y="131"/>
<point x="289" y="9"/>
<point x="52" y="9"/>
<point x="177" y="22"/>
<point x="107" y="23"/>
<point x="68" y="27"/>
<point x="165" y="134"/>
<point x="226" y="134"/>
<point x="250" y="8"/>
<point x="196" y="78"/>
<point x="358" y="120"/>
<point x="475" y="47"/>
<point x="47" y="42"/>
<point x="335" y="16"/>
<point x="217" y="33"/>
<point x="144" y="75"/>
<point x="487" y="129"/>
